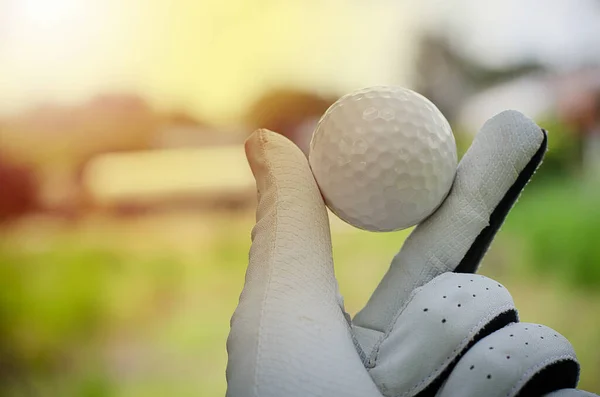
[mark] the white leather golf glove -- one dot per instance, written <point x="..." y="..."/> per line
<point x="432" y="327"/>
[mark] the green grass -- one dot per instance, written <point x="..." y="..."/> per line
<point x="558" y="225"/>
<point x="142" y="308"/>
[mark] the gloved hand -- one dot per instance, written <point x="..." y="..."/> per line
<point x="432" y="327"/>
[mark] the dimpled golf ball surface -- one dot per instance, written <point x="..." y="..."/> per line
<point x="384" y="158"/>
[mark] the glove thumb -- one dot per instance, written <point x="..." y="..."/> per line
<point x="289" y="326"/>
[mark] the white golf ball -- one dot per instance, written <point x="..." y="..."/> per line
<point x="384" y="158"/>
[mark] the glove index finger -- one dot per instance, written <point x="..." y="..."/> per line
<point x="501" y="160"/>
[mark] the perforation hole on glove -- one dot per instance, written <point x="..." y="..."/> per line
<point x="544" y="361"/>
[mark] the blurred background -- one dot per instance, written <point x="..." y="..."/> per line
<point x="126" y="203"/>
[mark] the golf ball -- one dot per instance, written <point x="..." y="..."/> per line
<point x="384" y="158"/>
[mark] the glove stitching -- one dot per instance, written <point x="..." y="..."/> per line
<point x="527" y="375"/>
<point x="376" y="348"/>
<point x="270" y="177"/>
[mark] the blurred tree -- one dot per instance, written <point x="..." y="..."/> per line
<point x="59" y="140"/>
<point x="18" y="189"/>
<point x="183" y="118"/>
<point x="290" y="112"/>
<point x="581" y="110"/>
<point x="113" y="122"/>
<point x="181" y="129"/>
<point x="563" y="150"/>
<point x="448" y="78"/>
<point x="51" y="135"/>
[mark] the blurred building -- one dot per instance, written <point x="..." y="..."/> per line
<point x="210" y="177"/>
<point x="181" y="130"/>
<point x="533" y="94"/>
<point x="115" y="153"/>
<point x="573" y="98"/>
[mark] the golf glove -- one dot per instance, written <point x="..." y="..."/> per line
<point x="433" y="327"/>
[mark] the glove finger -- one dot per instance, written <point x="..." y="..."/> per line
<point x="289" y="326"/>
<point x="519" y="360"/>
<point x="438" y="324"/>
<point x="503" y="157"/>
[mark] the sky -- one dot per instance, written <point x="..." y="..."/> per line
<point x="561" y="34"/>
<point x="213" y="57"/>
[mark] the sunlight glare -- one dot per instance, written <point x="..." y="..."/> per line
<point x="46" y="13"/>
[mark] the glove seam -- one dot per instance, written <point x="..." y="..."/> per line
<point x="263" y="143"/>
<point x="374" y="356"/>
<point x="464" y="342"/>
<point x="534" y="369"/>
<point x="376" y="349"/>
